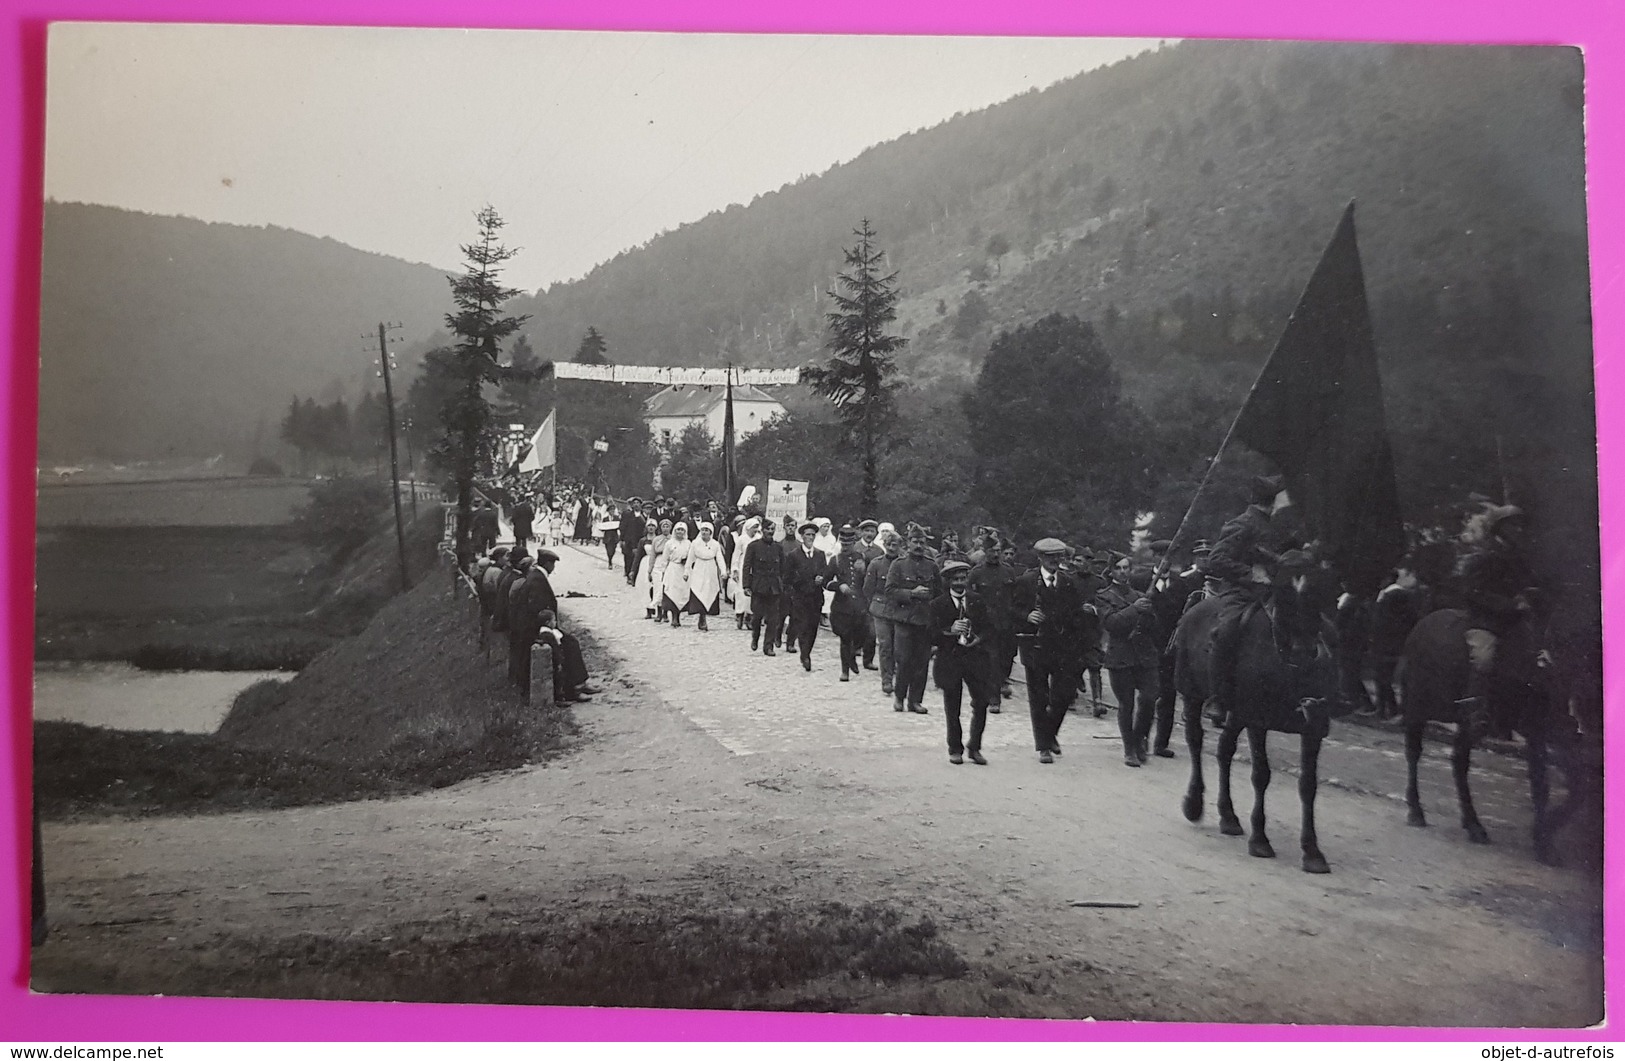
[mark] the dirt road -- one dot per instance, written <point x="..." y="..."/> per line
<point x="718" y="780"/>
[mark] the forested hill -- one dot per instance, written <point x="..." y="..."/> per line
<point x="166" y="336"/>
<point x="1199" y="171"/>
<point x="1179" y="200"/>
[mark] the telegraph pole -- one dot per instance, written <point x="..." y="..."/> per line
<point x="394" y="461"/>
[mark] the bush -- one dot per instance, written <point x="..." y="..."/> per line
<point x="265" y="466"/>
<point x="341" y="515"/>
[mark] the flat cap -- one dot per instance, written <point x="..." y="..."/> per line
<point x="543" y="555"/>
<point x="1050" y="547"/>
<point x="868" y="524"/>
<point x="954" y="565"/>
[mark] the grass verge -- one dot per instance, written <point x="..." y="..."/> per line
<point x="656" y="955"/>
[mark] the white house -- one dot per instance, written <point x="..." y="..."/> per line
<point x="670" y="411"/>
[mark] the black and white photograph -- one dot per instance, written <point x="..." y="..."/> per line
<point x="1006" y="527"/>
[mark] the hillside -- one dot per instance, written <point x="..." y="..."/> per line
<point x="170" y="337"/>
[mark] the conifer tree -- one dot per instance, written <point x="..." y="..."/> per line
<point x="857" y="379"/>
<point x="468" y="439"/>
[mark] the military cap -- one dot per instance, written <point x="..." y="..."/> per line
<point x="848" y="534"/>
<point x="868" y="524"/>
<point x="1050" y="547"/>
<point x="954" y="565"/>
<point x="634" y="500"/>
<point x="1201" y="548"/>
<point x="1160" y="547"/>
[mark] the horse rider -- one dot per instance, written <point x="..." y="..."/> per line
<point x="1241" y="566"/>
<point x="1496" y="584"/>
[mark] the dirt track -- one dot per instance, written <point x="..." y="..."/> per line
<point x="711" y="779"/>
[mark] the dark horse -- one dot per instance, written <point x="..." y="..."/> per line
<point x="1435" y="678"/>
<point x="1285" y="674"/>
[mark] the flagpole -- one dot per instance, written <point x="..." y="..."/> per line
<point x="555" y="436"/>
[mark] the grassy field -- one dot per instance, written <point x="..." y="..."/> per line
<point x="221" y="502"/>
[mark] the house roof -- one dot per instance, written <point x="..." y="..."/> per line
<point x="698" y="401"/>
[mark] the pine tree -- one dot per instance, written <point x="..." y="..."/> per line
<point x="592" y="350"/>
<point x="857" y="379"/>
<point x="468" y="440"/>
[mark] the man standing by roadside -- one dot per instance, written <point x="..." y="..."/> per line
<point x="1049" y="607"/>
<point x="911" y="583"/>
<point x="807" y="574"/>
<point x="524" y="514"/>
<point x="959" y="625"/>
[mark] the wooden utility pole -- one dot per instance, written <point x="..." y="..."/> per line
<point x="394" y="461"/>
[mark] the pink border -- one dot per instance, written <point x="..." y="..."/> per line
<point x="1596" y="25"/>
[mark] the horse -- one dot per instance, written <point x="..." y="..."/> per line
<point x="1432" y="683"/>
<point x="1286" y="679"/>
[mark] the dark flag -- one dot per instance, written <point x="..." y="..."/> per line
<point x="1316" y="411"/>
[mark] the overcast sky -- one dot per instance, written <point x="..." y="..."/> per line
<point x="586" y="143"/>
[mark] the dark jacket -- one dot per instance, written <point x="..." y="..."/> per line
<point x="499" y="606"/>
<point x="762" y="570"/>
<point x="524" y="514"/>
<point x="633" y="527"/>
<point x="944" y="613"/>
<point x="806" y="577"/>
<point x="1060" y="634"/>
<point x="992" y="583"/>
<point x="1131" y="627"/>
<point x="905" y="574"/>
<point x="850" y="570"/>
<point x="527" y="599"/>
<point x="485" y="525"/>
<point x="1393" y="615"/>
<point x="1247" y="540"/>
<point x="1488" y="582"/>
<point x="874" y="588"/>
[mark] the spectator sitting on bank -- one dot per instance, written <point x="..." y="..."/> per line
<point x="570" y="677"/>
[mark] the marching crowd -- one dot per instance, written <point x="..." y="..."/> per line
<point x="1073" y="616"/>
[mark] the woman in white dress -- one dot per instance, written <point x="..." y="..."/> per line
<point x="736" y="571"/>
<point x="644" y="578"/>
<point x="657" y="568"/>
<point x="707" y="575"/>
<point x="674" y="576"/>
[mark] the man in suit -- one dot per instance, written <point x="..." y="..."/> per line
<point x="960" y="627"/>
<point x="524" y="513"/>
<point x="485" y="527"/>
<point x="807" y="573"/>
<point x="1049" y="611"/>
<point x="1170" y="595"/>
<point x="529" y="595"/>
<point x="762" y="572"/>
<point x="633" y="523"/>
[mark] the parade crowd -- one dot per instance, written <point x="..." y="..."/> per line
<point x="920" y="608"/>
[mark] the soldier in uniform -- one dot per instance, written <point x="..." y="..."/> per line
<point x="1091" y="575"/>
<point x="1049" y="608"/>
<point x="1170" y="596"/>
<point x="762" y="573"/>
<point x="849" y="611"/>
<point x="959" y="625"/>
<point x="883" y="613"/>
<point x="991" y="581"/>
<point x="1132" y="648"/>
<point x="1495" y="582"/>
<point x="1241" y="564"/>
<point x="951" y="551"/>
<point x="912" y="581"/>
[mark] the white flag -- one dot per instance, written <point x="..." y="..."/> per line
<point x="542" y="448"/>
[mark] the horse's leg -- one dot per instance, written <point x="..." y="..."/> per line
<point x="1413" y="756"/>
<point x="1258" y="845"/>
<point x="1194" y="791"/>
<point x="1460" y="758"/>
<point x="1229" y="824"/>
<point x="1308" y="783"/>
